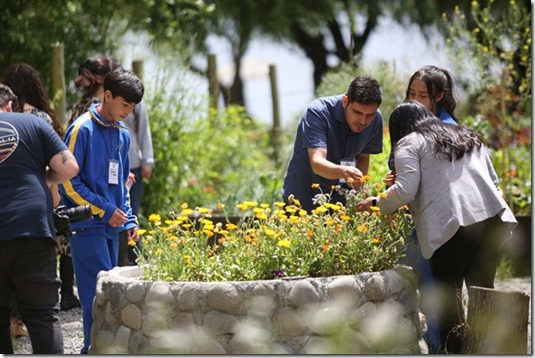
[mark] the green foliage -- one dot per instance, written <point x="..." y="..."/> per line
<point x="272" y="241"/>
<point x="206" y="159"/>
<point x="494" y="59"/>
<point x="504" y="270"/>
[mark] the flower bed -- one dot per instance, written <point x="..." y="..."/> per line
<point x="273" y="242"/>
<point x="368" y="313"/>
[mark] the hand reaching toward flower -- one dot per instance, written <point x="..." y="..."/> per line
<point x="390" y="178"/>
<point x="366" y="204"/>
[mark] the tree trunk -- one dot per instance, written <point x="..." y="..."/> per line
<point x="497" y="322"/>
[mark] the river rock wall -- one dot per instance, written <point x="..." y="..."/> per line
<point x="369" y="313"/>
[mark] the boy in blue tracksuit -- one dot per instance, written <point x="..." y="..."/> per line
<point x="100" y="144"/>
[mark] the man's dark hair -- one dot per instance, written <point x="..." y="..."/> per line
<point x="364" y="90"/>
<point x="124" y="83"/>
<point x="7" y="95"/>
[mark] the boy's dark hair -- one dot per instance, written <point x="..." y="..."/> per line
<point x="7" y="95"/>
<point x="365" y="90"/>
<point x="124" y="83"/>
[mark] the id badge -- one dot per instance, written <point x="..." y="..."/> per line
<point x="349" y="163"/>
<point x="113" y="172"/>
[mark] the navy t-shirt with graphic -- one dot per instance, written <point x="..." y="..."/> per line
<point x="27" y="144"/>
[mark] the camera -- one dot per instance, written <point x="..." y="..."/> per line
<point x="63" y="217"/>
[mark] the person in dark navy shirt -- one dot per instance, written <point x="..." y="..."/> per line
<point x="32" y="157"/>
<point x="334" y="140"/>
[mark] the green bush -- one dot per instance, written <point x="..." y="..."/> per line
<point x="205" y="160"/>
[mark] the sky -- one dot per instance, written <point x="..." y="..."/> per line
<point x="403" y="47"/>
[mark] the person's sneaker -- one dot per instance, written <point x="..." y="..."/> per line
<point x="68" y="302"/>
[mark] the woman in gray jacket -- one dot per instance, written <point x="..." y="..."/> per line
<point x="445" y="175"/>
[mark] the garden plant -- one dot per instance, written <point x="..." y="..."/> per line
<point x="274" y="241"/>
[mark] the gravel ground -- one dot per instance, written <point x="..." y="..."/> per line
<point x="73" y="336"/>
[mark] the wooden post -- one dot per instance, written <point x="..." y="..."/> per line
<point x="497" y="322"/>
<point x="213" y="83"/>
<point x="58" y="83"/>
<point x="137" y="67"/>
<point x="276" y="130"/>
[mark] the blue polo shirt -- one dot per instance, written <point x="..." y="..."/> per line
<point x="323" y="125"/>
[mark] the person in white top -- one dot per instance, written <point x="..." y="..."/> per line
<point x="445" y="175"/>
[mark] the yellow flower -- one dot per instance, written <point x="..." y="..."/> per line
<point x="173" y="245"/>
<point x="141" y="231"/>
<point x="154" y="218"/>
<point x="203" y="210"/>
<point x="231" y="226"/>
<point x="383" y="195"/>
<point x="209" y="233"/>
<point x="284" y="243"/>
<point x="158" y="251"/>
<point x="242" y="207"/>
<point x="131" y="242"/>
<point x="220" y="206"/>
<point x="261" y="216"/>
<point x="186" y="212"/>
<point x="269" y="232"/>
<point x="320" y="210"/>
<point x="251" y="204"/>
<point x="362" y="228"/>
<point x="345" y="217"/>
<point x="376" y="241"/>
<point x="279" y="204"/>
<point x="315" y="186"/>
<point x="309" y="233"/>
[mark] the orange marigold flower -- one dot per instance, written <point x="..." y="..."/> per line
<point x="325" y="248"/>
<point x="362" y="228"/>
<point x="315" y="186"/>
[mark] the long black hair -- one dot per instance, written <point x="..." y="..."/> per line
<point x="449" y="141"/>
<point x="437" y="80"/>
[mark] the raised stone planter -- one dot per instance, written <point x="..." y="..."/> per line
<point x="374" y="312"/>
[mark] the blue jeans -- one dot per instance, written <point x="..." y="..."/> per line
<point x="422" y="268"/>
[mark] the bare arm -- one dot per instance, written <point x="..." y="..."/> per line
<point x="329" y="170"/>
<point x="62" y="167"/>
<point x="363" y="163"/>
<point x="56" y="197"/>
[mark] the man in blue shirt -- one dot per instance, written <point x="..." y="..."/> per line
<point x="334" y="140"/>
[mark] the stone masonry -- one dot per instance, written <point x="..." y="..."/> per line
<point x="369" y="313"/>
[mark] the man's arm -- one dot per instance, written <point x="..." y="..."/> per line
<point x="363" y="163"/>
<point x="329" y="170"/>
<point x="62" y="167"/>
